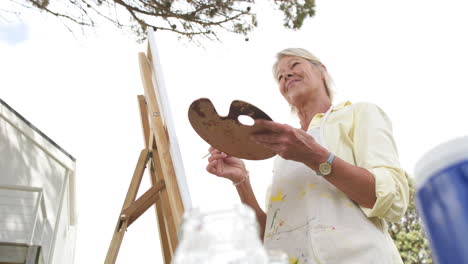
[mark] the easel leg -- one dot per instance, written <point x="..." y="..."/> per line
<point x="163" y="235"/>
<point x="170" y="235"/>
<point x="167" y="198"/>
<point x="121" y="226"/>
<point x="163" y="221"/>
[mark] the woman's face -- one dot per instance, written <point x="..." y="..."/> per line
<point x="298" y="79"/>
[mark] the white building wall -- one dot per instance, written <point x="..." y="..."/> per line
<point x="16" y="211"/>
<point x="29" y="159"/>
<point x="66" y="235"/>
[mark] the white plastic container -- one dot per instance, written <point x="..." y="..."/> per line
<point x="442" y="199"/>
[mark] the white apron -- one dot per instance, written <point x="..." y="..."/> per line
<point x="315" y="223"/>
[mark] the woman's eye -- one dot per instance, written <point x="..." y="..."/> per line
<point x="294" y="64"/>
<point x="280" y="77"/>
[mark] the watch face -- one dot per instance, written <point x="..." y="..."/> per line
<point x="325" y="168"/>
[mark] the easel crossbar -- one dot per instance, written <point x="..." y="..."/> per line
<point x="133" y="209"/>
<point x="138" y="207"/>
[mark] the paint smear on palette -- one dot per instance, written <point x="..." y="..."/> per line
<point x="312" y="186"/>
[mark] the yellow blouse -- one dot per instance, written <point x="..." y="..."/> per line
<point x="361" y="134"/>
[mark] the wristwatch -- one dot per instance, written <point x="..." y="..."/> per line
<point x="325" y="168"/>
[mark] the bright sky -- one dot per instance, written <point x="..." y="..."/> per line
<point x="409" y="57"/>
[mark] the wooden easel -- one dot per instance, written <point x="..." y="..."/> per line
<point x="164" y="193"/>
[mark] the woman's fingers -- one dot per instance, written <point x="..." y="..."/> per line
<point x="304" y="137"/>
<point x="217" y="151"/>
<point x="216" y="167"/>
<point x="219" y="166"/>
<point x="217" y="156"/>
<point x="274" y="127"/>
<point x="273" y="146"/>
<point x="211" y="167"/>
<point x="267" y="138"/>
<point x="277" y="133"/>
<point x="286" y="144"/>
<point x="213" y="150"/>
<point x="216" y="161"/>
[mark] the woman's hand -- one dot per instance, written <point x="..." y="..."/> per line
<point x="290" y="143"/>
<point x="223" y="165"/>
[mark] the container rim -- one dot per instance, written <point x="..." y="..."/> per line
<point x="439" y="157"/>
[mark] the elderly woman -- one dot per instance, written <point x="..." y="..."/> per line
<point x="337" y="180"/>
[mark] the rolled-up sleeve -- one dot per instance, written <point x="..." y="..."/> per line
<point x="375" y="150"/>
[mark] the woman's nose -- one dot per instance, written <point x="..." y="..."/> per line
<point x="288" y="75"/>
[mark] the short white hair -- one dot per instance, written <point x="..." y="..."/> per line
<point x="305" y="54"/>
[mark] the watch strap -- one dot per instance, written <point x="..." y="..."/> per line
<point x="329" y="161"/>
<point x="331" y="158"/>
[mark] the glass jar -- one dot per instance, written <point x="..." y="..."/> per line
<point x="218" y="237"/>
<point x="277" y="257"/>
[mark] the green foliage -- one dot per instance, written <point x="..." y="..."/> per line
<point x="296" y="12"/>
<point x="409" y="235"/>
<point x="188" y="19"/>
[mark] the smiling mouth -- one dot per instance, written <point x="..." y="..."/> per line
<point x="289" y="84"/>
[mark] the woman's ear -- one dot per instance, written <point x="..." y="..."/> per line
<point x="323" y="71"/>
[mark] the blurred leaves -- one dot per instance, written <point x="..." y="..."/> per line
<point x="189" y="19"/>
<point x="295" y="12"/>
<point x="409" y="235"/>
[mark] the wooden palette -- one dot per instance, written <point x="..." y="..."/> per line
<point x="226" y="133"/>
